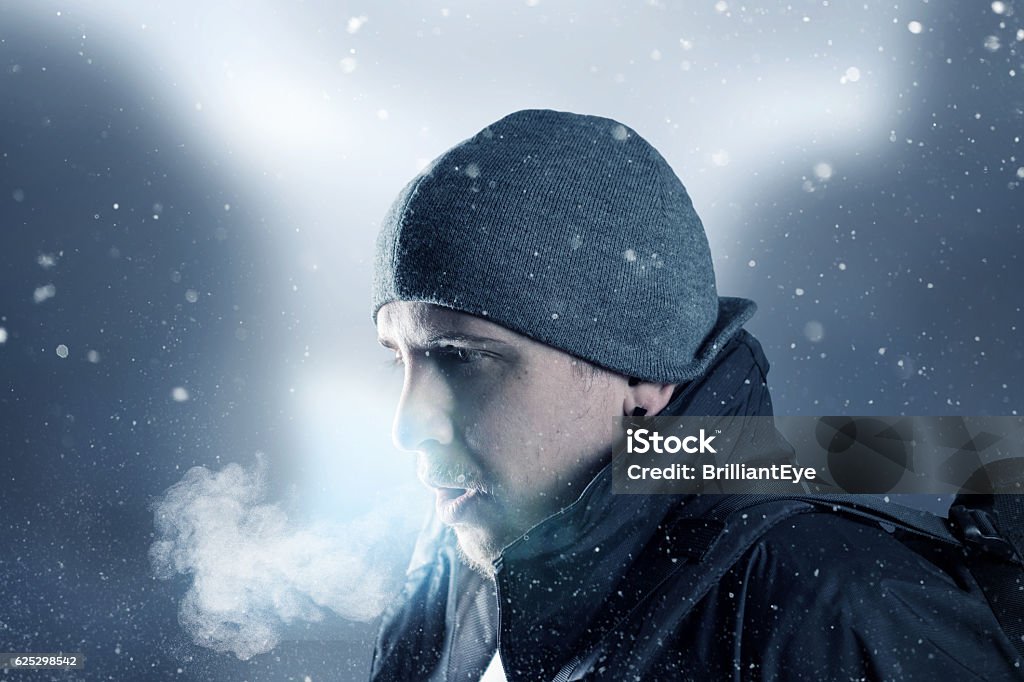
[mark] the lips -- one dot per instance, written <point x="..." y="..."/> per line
<point x="453" y="503"/>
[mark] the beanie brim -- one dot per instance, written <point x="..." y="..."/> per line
<point x="733" y="313"/>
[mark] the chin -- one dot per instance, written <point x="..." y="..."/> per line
<point x="478" y="548"/>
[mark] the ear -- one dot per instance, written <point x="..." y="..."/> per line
<point x="648" y="395"/>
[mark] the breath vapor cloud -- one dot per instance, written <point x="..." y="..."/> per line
<point x="254" y="571"/>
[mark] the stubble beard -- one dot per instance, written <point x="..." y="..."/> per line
<point x="477" y="549"/>
<point x="478" y="545"/>
<point x="481" y="542"/>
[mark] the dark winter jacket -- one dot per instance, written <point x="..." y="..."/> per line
<point x="629" y="587"/>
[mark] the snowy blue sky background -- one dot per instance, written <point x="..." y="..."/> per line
<point x="189" y="194"/>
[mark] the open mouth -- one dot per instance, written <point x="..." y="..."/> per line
<point x="452" y="503"/>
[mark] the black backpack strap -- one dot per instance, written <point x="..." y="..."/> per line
<point x="992" y="527"/>
<point x="1009" y="511"/>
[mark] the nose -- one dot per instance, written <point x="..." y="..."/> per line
<point x="423" y="419"/>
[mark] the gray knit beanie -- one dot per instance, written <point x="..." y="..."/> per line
<point x="571" y="230"/>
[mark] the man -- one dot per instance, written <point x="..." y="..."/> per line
<point x="536" y="281"/>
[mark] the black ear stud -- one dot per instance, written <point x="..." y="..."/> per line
<point x="639" y="412"/>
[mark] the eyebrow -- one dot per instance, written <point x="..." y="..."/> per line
<point x="448" y="338"/>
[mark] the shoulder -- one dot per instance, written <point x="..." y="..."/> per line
<point x="827" y="592"/>
<point x="835" y="564"/>
<point x="823" y="544"/>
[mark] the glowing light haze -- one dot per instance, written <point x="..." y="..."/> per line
<point x="322" y="111"/>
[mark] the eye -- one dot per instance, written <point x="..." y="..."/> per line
<point x="458" y="354"/>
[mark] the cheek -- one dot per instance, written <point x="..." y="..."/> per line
<point x="580" y="434"/>
<point x="512" y="443"/>
<point x="501" y="437"/>
<point x="490" y="423"/>
<point x="536" y="429"/>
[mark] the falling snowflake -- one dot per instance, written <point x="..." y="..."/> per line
<point x="356" y="23"/>
<point x="44" y="293"/>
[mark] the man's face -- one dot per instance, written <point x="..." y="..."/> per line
<point x="507" y="430"/>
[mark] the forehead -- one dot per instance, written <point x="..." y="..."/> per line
<point x="414" y="324"/>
